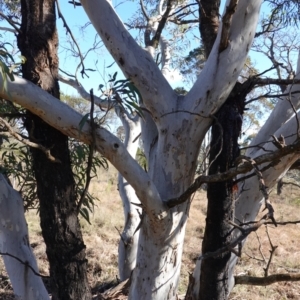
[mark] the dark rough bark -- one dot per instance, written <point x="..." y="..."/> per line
<point x="38" y="42"/>
<point x="209" y="23"/>
<point x="224" y="151"/>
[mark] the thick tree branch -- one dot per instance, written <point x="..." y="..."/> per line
<point x="223" y="68"/>
<point x="136" y="63"/>
<point x="64" y="118"/>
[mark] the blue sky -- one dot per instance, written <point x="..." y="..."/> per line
<point x="76" y="18"/>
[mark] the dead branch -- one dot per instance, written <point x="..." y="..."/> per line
<point x="272" y="251"/>
<point x="263" y="281"/>
<point x="25" y="263"/>
<point x="12" y="23"/>
<point x="243" y="168"/>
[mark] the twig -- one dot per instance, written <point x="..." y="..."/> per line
<point x="25" y="263"/>
<point x="245" y="167"/>
<point x="18" y="137"/>
<point x="12" y="23"/>
<point x="272" y="251"/>
<point x="259" y="248"/>
<point x="60" y="15"/>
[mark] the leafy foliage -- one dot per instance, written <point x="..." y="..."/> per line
<point x="16" y="161"/>
<point x="17" y="165"/>
<point x="79" y="157"/>
<point x="122" y="92"/>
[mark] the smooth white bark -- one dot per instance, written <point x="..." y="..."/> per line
<point x="135" y="62"/>
<point x="128" y="243"/>
<point x="64" y="118"/>
<point x="221" y="70"/>
<point x="14" y="241"/>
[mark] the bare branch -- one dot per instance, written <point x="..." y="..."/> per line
<point x="263" y="281"/>
<point x="245" y="167"/>
<point x="12" y="23"/>
<point x="161" y="25"/>
<point x="8" y="29"/>
<point x="82" y="92"/>
<point x="60" y="15"/>
<point x="25" y="263"/>
<point x="272" y="251"/>
<point x="21" y="139"/>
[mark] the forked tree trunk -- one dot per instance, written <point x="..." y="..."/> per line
<point x="14" y="241"/>
<point x="65" y="248"/>
<point x="160" y="244"/>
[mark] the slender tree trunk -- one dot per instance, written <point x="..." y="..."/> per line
<point x="65" y="248"/>
<point x="132" y="211"/>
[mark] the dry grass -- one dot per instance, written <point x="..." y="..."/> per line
<point x="102" y="239"/>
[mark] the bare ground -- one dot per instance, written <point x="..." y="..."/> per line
<point x="102" y="239"/>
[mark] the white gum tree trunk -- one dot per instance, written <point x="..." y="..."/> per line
<point x="131" y="204"/>
<point x="14" y="241"/>
<point x="178" y="125"/>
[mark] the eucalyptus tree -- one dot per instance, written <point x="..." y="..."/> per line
<point x="173" y="127"/>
